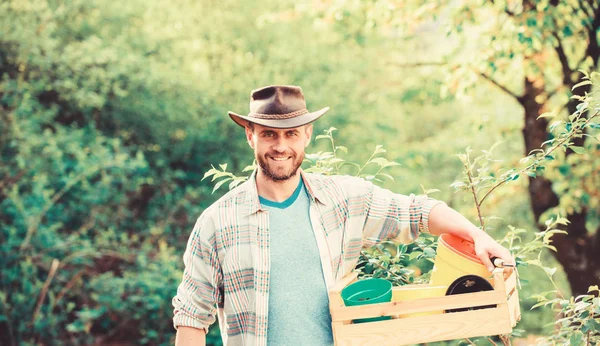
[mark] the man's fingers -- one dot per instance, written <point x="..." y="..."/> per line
<point x="508" y="258"/>
<point x="485" y="258"/>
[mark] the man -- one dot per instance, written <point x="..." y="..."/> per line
<point x="264" y="256"/>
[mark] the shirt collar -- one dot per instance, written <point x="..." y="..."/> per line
<point x="252" y="201"/>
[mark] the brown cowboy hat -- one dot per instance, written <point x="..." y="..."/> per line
<point x="278" y="106"/>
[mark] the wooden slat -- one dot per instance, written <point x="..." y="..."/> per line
<point x="514" y="308"/>
<point x="499" y="280"/>
<point x="343" y="282"/>
<point x="511" y="282"/>
<point x="335" y="328"/>
<point x="424" y="329"/>
<point x="419" y="305"/>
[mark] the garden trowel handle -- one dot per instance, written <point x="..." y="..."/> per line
<point x="499" y="263"/>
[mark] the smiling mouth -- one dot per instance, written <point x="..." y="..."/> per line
<point x="280" y="159"/>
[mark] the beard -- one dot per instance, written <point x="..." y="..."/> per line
<point x="279" y="172"/>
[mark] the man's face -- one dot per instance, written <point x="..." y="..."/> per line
<point x="279" y="152"/>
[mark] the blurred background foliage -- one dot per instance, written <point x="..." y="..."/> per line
<point x="111" y="113"/>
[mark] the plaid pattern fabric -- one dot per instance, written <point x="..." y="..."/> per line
<point x="227" y="257"/>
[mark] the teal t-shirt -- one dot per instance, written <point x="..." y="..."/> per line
<point x="298" y="301"/>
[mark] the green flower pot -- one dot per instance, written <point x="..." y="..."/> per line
<point x="368" y="291"/>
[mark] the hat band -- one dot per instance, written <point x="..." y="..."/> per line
<point x="279" y="116"/>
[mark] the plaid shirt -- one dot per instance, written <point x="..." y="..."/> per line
<point x="227" y="257"/>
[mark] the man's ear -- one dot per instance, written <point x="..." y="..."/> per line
<point x="249" y="135"/>
<point x="308" y="131"/>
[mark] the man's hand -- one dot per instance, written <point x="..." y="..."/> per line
<point x="486" y="248"/>
<point x="444" y="219"/>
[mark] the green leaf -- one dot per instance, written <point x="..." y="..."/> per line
<point x="547" y="115"/>
<point x="249" y="168"/>
<point x="428" y="191"/>
<point x="383" y="163"/>
<point x="322" y="137"/>
<point x="554" y="125"/>
<point x="387" y="176"/>
<point x="591" y="324"/>
<point x="221" y="182"/>
<point x="223" y="166"/>
<point x="544" y="303"/>
<point x="235" y="183"/>
<point x="585" y="73"/>
<point x="350" y="164"/>
<point x="580" y="84"/>
<point x="344" y="149"/>
<point x="429" y="252"/>
<point x="210" y="172"/>
<point x="458" y="185"/>
<point x="220" y="175"/>
<point x="379" y="149"/>
<point x="578" y="150"/>
<point x="414" y="254"/>
<point x="576" y="338"/>
<point x="550" y="271"/>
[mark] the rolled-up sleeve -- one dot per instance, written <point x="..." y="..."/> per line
<point x="198" y="295"/>
<point x="395" y="217"/>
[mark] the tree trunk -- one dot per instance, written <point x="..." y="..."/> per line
<point x="577" y="251"/>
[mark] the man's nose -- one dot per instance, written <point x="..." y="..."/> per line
<point x="280" y="145"/>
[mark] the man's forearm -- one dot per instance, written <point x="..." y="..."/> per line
<point x="443" y="219"/>
<point x="187" y="336"/>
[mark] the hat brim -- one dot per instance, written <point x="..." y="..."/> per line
<point x="279" y="123"/>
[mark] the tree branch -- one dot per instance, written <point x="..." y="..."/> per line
<point x="564" y="61"/>
<point x="502" y="87"/>
<point x="593" y="48"/>
<point x="477" y="203"/>
<point x="67" y="287"/>
<point x="44" y="291"/>
<point x="596" y="240"/>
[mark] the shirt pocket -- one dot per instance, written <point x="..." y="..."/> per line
<point x="238" y="257"/>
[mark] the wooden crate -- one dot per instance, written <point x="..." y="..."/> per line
<point x="430" y="328"/>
